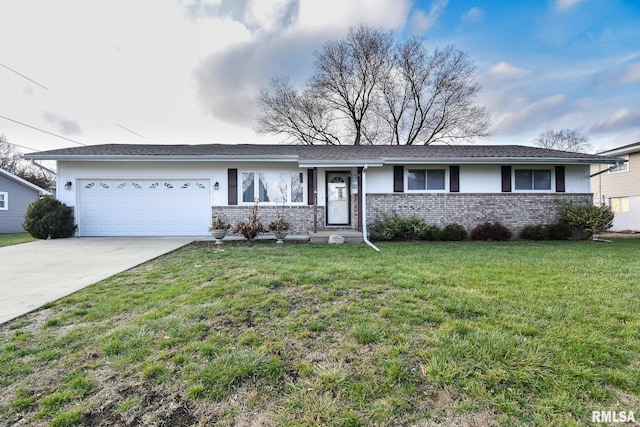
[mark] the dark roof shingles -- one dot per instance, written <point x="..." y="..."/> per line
<point x="320" y="152"/>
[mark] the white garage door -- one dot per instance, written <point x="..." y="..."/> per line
<point x="130" y="207"/>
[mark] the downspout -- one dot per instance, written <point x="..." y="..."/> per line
<point x="364" y="209"/>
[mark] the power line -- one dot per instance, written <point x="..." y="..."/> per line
<point x="41" y="130"/>
<point x="44" y="87"/>
<point x="25" y="77"/>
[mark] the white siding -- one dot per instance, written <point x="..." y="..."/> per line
<point x="480" y="179"/>
<point x="576" y="179"/>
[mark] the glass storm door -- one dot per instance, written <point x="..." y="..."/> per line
<point x="338" y="193"/>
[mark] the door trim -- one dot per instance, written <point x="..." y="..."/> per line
<point x="326" y="186"/>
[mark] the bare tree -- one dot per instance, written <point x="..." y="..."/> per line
<point x="11" y="161"/>
<point x="9" y="156"/>
<point x="565" y="140"/>
<point x="429" y="97"/>
<point x="367" y="90"/>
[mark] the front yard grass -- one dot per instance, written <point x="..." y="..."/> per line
<point x="471" y="333"/>
<point x="8" y="239"/>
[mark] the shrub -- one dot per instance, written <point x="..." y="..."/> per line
<point x="491" y="231"/>
<point x="558" y="231"/>
<point x="534" y="232"/>
<point x="455" y="232"/>
<point x="587" y="218"/>
<point x="48" y="218"/>
<point x="396" y="228"/>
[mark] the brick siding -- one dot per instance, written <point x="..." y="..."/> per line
<point x="300" y="218"/>
<point x="515" y="211"/>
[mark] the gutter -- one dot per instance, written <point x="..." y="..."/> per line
<point x="364" y="209"/>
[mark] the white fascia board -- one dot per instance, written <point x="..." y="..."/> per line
<point x="495" y="161"/>
<point x="622" y="151"/>
<point x="163" y="158"/>
<point x="339" y="163"/>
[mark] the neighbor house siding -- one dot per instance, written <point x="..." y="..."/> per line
<point x="514" y="210"/>
<point x="620" y="184"/>
<point x="19" y="198"/>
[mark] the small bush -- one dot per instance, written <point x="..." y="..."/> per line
<point x="396" y="228"/>
<point x="454" y="232"/>
<point x="559" y="231"/>
<point x="534" y="232"/>
<point x="48" y="218"/>
<point x="491" y="231"/>
<point x="587" y="218"/>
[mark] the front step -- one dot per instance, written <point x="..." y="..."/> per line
<point x="322" y="236"/>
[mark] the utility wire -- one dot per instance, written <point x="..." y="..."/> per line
<point x="44" y="87"/>
<point x="41" y="130"/>
<point x="25" y="77"/>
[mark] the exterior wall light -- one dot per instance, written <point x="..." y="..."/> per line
<point x="216" y="186"/>
<point x="68" y="185"/>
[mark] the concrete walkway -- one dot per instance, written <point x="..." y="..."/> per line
<point x="33" y="274"/>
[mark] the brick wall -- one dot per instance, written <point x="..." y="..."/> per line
<point x="515" y="211"/>
<point x="300" y="218"/>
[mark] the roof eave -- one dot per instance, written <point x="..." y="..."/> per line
<point x="499" y="160"/>
<point x="26" y="183"/>
<point x="160" y="158"/>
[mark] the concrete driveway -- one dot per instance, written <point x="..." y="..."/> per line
<point x="32" y="274"/>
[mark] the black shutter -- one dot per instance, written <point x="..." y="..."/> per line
<point x="398" y="179"/>
<point x="311" y="184"/>
<point x="232" y="186"/>
<point x="454" y="179"/>
<point x="506" y="179"/>
<point x="560" y="179"/>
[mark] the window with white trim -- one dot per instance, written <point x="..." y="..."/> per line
<point x="533" y="179"/>
<point x="272" y="187"/>
<point x="621" y="167"/>
<point x="4" y="201"/>
<point x="425" y="179"/>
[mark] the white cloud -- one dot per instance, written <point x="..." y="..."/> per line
<point x="422" y="22"/>
<point x="475" y="14"/>
<point x="621" y="120"/>
<point x="631" y="74"/>
<point x="537" y="115"/>
<point x="566" y="5"/>
<point x="504" y="70"/>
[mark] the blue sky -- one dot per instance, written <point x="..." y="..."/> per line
<point x="188" y="71"/>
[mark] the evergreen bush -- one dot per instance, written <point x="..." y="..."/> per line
<point x="454" y="232"/>
<point x="491" y="231"/>
<point x="589" y="219"/>
<point x="396" y="228"/>
<point x="49" y="218"/>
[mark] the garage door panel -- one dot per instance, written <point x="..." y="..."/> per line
<point x="144" y="207"/>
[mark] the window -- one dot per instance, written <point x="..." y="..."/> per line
<point x="4" y="201"/>
<point x="621" y="167"/>
<point x="426" y="179"/>
<point x="533" y="179"/>
<point x="619" y="204"/>
<point x="273" y="187"/>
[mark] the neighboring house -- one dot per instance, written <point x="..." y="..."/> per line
<point x="179" y="189"/>
<point x="16" y="195"/>
<point x="619" y="187"/>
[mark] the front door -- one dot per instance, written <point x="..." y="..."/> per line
<point x="338" y="198"/>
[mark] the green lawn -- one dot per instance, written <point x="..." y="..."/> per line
<point x="471" y="333"/>
<point x="15" y="239"/>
